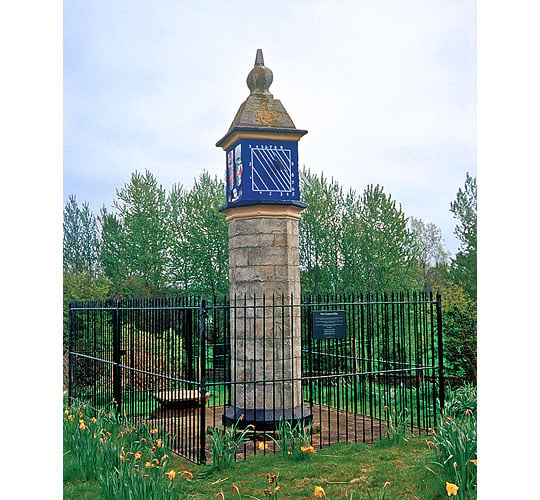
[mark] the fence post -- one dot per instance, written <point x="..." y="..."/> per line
<point x="117" y="372"/>
<point x="440" y="349"/>
<point x="70" y="349"/>
<point x="202" y="385"/>
<point x="310" y="352"/>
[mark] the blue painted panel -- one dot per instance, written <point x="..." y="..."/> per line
<point x="262" y="171"/>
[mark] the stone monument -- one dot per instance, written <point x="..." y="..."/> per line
<point x="263" y="211"/>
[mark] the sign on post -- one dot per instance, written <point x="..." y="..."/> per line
<point x="329" y="324"/>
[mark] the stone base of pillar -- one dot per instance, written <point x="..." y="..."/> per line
<point x="266" y="420"/>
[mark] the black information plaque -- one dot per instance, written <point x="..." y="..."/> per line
<point x="328" y="324"/>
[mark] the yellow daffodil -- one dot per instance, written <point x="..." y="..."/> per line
<point x="138" y="455"/>
<point x="451" y="488"/>
<point x="159" y="443"/>
<point x="82" y="426"/>
<point x="94" y="420"/>
<point x="307" y="449"/>
<point x="262" y="445"/>
<point x="66" y="412"/>
<point x="171" y="474"/>
<point x="148" y="464"/>
<point x="319" y="492"/>
<point x="153" y="431"/>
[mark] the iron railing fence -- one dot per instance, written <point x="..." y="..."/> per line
<point x="189" y="364"/>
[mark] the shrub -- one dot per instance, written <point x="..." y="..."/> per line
<point x="459" y="330"/>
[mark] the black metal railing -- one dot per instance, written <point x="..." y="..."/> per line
<point x="187" y="363"/>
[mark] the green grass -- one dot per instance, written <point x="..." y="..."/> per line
<point x="341" y="470"/>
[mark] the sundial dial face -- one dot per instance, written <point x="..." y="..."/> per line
<point x="271" y="170"/>
<point x="262" y="170"/>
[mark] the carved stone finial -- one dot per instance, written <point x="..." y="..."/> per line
<point x="260" y="77"/>
<point x="259" y="58"/>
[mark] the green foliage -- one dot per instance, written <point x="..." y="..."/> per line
<point x="397" y="425"/>
<point x="81" y="238"/>
<point x="131" y="464"/>
<point x="321" y="234"/>
<point x="111" y="254"/>
<point x="464" y="266"/>
<point x="293" y="440"/>
<point x="344" y="470"/>
<point x="137" y="237"/>
<point x="461" y="401"/>
<point x="459" y="330"/>
<point x="455" y="442"/>
<point x="225" y="442"/>
<point x="88" y="441"/>
<point x="351" y="243"/>
<point x="81" y="286"/>
<point x="199" y="246"/>
<point x="153" y="242"/>
<point x="156" y="241"/>
<point x="386" y="253"/>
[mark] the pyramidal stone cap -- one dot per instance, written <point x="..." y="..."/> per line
<point x="260" y="111"/>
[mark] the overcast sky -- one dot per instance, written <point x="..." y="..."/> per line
<point x="386" y="90"/>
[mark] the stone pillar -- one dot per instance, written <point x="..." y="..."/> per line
<point x="265" y="315"/>
<point x="263" y="210"/>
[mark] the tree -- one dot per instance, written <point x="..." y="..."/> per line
<point x="459" y="296"/>
<point x="321" y="234"/>
<point x="385" y="251"/>
<point x="351" y="243"/>
<point x="136" y="239"/>
<point x="199" y="251"/>
<point x="431" y="254"/>
<point x="464" y="266"/>
<point x="111" y="255"/>
<point x="81" y="238"/>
